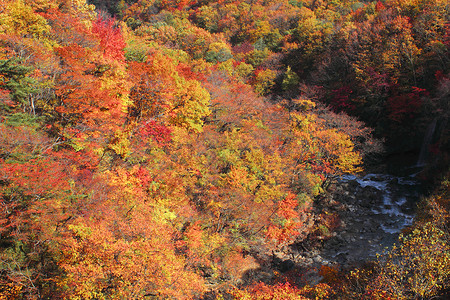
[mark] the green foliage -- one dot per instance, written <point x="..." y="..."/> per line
<point x="141" y="160"/>
<point x="296" y="3"/>
<point x="23" y="120"/>
<point x="134" y="52"/>
<point x="243" y="70"/>
<point x="132" y="23"/>
<point x="13" y="77"/>
<point x="290" y="80"/>
<point x="256" y="57"/>
<point x="222" y="55"/>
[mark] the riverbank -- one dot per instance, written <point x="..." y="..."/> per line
<point x="369" y="213"/>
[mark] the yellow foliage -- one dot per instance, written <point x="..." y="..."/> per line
<point x="263" y="28"/>
<point x="326" y="151"/>
<point x="243" y="70"/>
<point x="81" y="231"/>
<point x="192" y="103"/>
<point x="217" y="46"/>
<point x="420" y="266"/>
<point x="82" y="10"/>
<point x="264" y="81"/>
<point x="304" y="104"/>
<point x="19" y="18"/>
<point x="120" y="144"/>
<point x="42" y="5"/>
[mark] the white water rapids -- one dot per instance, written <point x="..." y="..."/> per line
<point x="398" y="193"/>
<point x="373" y="210"/>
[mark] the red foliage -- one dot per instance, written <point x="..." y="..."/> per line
<point x="29" y="191"/>
<point x="176" y="4"/>
<point x="289" y="214"/>
<point x="359" y="15"/>
<point x="83" y="98"/>
<point x="243" y="48"/>
<point x="67" y="28"/>
<point x="379" y="6"/>
<point x="111" y="39"/>
<point x="6" y="99"/>
<point x="403" y="107"/>
<point x="378" y="83"/>
<point x="34" y="177"/>
<point x="186" y="71"/>
<point x="144" y="176"/>
<point x="160" y="133"/>
<point x="439" y="75"/>
<point x="341" y="99"/>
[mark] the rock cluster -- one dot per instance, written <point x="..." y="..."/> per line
<point x="372" y="211"/>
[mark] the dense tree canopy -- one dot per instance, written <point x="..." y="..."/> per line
<point x="149" y="148"/>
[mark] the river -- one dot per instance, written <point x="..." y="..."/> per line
<point x="372" y="209"/>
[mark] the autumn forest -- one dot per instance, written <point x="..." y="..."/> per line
<point x="172" y="149"/>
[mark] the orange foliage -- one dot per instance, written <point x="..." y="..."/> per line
<point x="137" y="162"/>
<point x="285" y="226"/>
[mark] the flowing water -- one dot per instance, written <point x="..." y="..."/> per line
<point x="423" y="155"/>
<point x="398" y="196"/>
<point x="374" y="210"/>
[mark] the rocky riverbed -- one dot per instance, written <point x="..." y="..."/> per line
<point x="372" y="211"/>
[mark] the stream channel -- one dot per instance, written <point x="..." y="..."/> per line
<point x="373" y="209"/>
